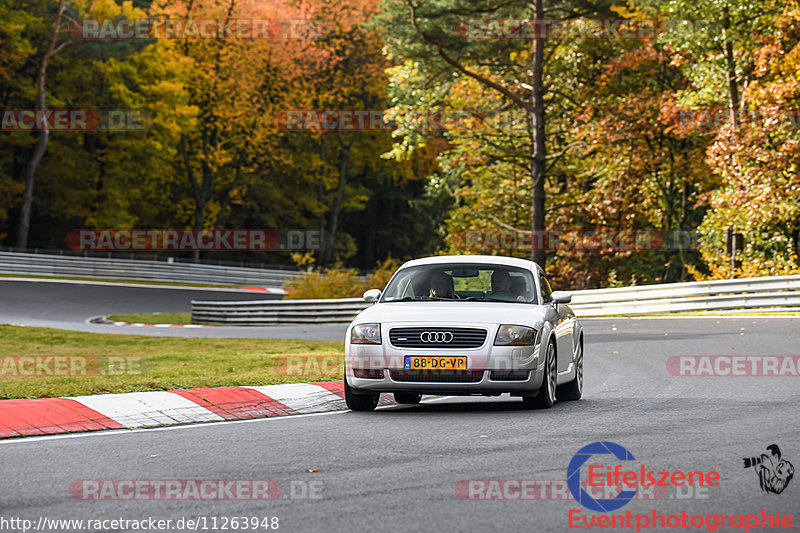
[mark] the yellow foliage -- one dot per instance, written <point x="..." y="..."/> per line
<point x="339" y="283"/>
<point x="629" y="11"/>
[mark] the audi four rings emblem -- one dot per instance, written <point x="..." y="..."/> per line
<point x="436" y="336"/>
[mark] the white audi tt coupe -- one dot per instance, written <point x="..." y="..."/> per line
<point x="464" y="325"/>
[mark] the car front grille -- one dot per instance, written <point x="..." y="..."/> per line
<point x="437" y="376"/>
<point x="437" y="337"/>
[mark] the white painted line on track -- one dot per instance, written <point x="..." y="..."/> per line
<point x="104" y="321"/>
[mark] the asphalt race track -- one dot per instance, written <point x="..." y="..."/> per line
<point x="397" y="469"/>
<point x="71" y="305"/>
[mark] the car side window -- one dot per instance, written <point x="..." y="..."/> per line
<point x="546" y="289"/>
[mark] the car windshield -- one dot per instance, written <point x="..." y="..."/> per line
<point x="462" y="282"/>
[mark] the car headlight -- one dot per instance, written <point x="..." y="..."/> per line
<point x="366" y="334"/>
<point x="509" y="335"/>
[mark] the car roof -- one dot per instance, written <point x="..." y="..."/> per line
<point x="490" y="259"/>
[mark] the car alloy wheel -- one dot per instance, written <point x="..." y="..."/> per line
<point x="552" y="373"/>
<point x="546" y="396"/>
<point x="574" y="389"/>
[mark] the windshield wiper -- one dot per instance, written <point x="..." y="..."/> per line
<point x="487" y="299"/>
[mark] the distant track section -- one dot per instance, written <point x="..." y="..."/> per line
<point x="141" y="270"/>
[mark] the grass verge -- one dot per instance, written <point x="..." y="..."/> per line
<point x="154" y="318"/>
<point x="98" y="363"/>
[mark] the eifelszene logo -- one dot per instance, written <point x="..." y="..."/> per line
<point x="609" y="466"/>
<point x="774" y="473"/>
<point x="617" y="476"/>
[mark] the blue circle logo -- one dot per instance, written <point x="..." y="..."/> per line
<point x="574" y="477"/>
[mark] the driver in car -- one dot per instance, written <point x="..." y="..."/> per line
<point x="441" y="286"/>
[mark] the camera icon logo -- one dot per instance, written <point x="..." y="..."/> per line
<point x="774" y="472"/>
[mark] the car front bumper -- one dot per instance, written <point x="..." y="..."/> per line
<point x="484" y="363"/>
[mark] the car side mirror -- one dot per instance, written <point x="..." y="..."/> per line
<point x="372" y="295"/>
<point x="561" y="297"/>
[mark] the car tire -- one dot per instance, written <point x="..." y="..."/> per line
<point x="407" y="397"/>
<point x="574" y="389"/>
<point x="360" y="402"/>
<point x="546" y="396"/>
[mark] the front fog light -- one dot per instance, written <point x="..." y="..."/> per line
<point x="509" y="335"/>
<point x="366" y="334"/>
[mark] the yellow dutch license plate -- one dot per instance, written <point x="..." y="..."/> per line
<point x="430" y="362"/>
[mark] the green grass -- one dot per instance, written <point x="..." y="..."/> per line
<point x="154" y="318"/>
<point x="159" y="363"/>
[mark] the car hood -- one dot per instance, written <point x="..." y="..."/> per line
<point x="452" y="313"/>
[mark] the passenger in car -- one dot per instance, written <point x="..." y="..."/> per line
<point x="441" y="286"/>
<point x="501" y="287"/>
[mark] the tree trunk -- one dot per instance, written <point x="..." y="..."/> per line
<point x="199" y="204"/>
<point x="199" y="220"/>
<point x="27" y="198"/>
<point x="224" y="207"/>
<point x="24" y="224"/>
<point x="733" y="88"/>
<point x="536" y="109"/>
<point x="333" y="223"/>
<point x="538" y="253"/>
<point x="207" y="189"/>
<point x="323" y="242"/>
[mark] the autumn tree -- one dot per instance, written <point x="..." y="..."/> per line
<point x="440" y="36"/>
<point x="759" y="161"/>
<point x="54" y="45"/>
<point x="234" y="83"/>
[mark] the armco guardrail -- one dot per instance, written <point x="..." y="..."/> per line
<point x="750" y="293"/>
<point x="140" y="270"/>
<point x="747" y="293"/>
<point x="265" y="312"/>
